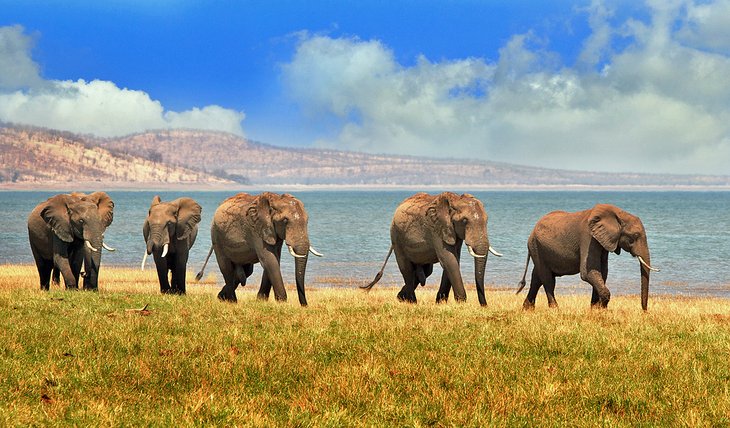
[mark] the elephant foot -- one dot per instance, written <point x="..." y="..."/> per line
<point x="262" y="297"/>
<point x="528" y="305"/>
<point x="225" y="297"/>
<point x="553" y="304"/>
<point x="407" y="297"/>
<point x="440" y="298"/>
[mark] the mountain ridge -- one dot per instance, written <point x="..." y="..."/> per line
<point x="219" y="158"/>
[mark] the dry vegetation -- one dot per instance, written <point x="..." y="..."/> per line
<point x="352" y="359"/>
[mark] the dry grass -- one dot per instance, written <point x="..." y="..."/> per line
<point x="353" y="358"/>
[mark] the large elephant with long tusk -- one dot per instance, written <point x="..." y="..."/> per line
<point x="66" y="232"/>
<point x="428" y="229"/>
<point x="249" y="229"/>
<point x="169" y="232"/>
<point x="564" y="243"/>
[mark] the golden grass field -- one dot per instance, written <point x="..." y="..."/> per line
<point x="353" y="358"/>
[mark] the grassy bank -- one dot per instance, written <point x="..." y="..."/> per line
<point x="350" y="358"/>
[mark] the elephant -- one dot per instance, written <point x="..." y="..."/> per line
<point x="67" y="231"/>
<point x="249" y="229"/>
<point x="428" y="229"/>
<point x="564" y="243"/>
<point x="169" y="232"/>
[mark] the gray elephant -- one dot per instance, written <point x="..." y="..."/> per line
<point x="169" y="232"/>
<point x="565" y="243"/>
<point x="66" y="232"/>
<point x="250" y="229"/>
<point x="429" y="229"/>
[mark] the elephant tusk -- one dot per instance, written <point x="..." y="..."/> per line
<point x="106" y="247"/>
<point x="293" y="254"/>
<point x="493" y="251"/>
<point x="91" y="247"/>
<point x="315" y="252"/>
<point x="646" y="265"/>
<point x="144" y="260"/>
<point x="164" y="250"/>
<point x="471" y="251"/>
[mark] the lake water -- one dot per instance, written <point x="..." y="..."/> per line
<point x="688" y="232"/>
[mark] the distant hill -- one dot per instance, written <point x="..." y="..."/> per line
<point x="207" y="157"/>
<point x="30" y="155"/>
<point x="266" y="164"/>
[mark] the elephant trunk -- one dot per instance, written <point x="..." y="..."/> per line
<point x="92" y="259"/>
<point x="645" y="279"/>
<point x="480" y="267"/>
<point x="300" y="268"/>
<point x="158" y="240"/>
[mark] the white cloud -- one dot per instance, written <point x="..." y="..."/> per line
<point x="659" y="103"/>
<point x="96" y="107"/>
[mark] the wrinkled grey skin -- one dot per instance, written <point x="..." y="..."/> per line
<point x="428" y="229"/>
<point x="58" y="230"/>
<point x="174" y="224"/>
<point x="250" y="229"/>
<point x="565" y="243"/>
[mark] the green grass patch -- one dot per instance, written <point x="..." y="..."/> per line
<point x="353" y="358"/>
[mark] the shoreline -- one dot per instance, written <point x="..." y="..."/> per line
<point x="200" y="187"/>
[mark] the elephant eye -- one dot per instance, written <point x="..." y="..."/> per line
<point x="286" y="220"/>
<point x="464" y="220"/>
<point x="81" y="221"/>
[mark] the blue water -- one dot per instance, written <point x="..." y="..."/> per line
<point x="688" y="232"/>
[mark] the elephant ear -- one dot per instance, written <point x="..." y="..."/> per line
<point x="188" y="217"/>
<point x="156" y="201"/>
<point x="440" y="217"/>
<point x="105" y="206"/>
<point x="605" y="227"/>
<point x="260" y="214"/>
<point x="146" y="229"/>
<point x="56" y="215"/>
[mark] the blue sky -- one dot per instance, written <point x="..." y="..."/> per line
<point x="591" y="85"/>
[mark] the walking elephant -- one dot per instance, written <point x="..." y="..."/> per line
<point x="169" y="232"/>
<point x="429" y="229"/>
<point x="565" y="243"/>
<point x="250" y="229"/>
<point x="66" y="232"/>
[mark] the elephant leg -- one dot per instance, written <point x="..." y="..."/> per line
<point x="45" y="267"/>
<point x="270" y="262"/>
<point x="535" y="284"/>
<point x="265" y="288"/>
<point x="61" y="262"/>
<point x="228" y="270"/>
<point x="76" y="260"/>
<point x="593" y="270"/>
<point x="442" y="296"/>
<point x="408" y="270"/>
<point x="450" y="264"/>
<point x="162" y="273"/>
<point x="601" y="295"/>
<point x="549" y="285"/>
<point x="56" y="276"/>
<point x="179" y="272"/>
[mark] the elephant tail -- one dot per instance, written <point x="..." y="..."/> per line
<point x="522" y="283"/>
<point x="380" y="274"/>
<point x="199" y="276"/>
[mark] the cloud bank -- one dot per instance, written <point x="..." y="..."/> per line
<point x="649" y="96"/>
<point x="97" y="107"/>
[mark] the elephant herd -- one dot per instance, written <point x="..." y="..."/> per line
<point x="66" y="232"/>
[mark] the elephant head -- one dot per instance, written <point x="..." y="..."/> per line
<point x="81" y="217"/>
<point x="282" y="219"/>
<point x="463" y="219"/>
<point x="618" y="230"/>
<point x="166" y="221"/>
